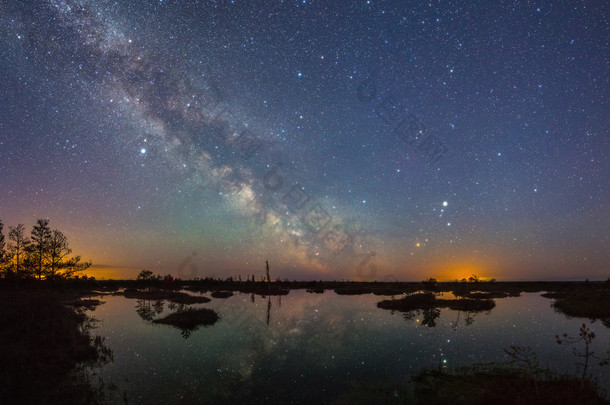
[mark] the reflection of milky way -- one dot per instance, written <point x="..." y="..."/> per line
<point x="208" y="116"/>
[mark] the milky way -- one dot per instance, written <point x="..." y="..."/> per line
<point x="363" y="140"/>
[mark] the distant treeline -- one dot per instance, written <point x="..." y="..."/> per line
<point x="43" y="255"/>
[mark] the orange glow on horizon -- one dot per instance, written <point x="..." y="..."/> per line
<point x="460" y="272"/>
<point x="110" y="273"/>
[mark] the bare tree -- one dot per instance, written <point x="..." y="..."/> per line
<point x="268" y="279"/>
<point x="527" y="359"/>
<point x="586" y="336"/>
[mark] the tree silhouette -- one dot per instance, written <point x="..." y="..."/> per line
<point x="59" y="264"/>
<point x="469" y="320"/>
<point x="526" y="357"/>
<point x="430" y="285"/>
<point x="410" y="315"/>
<point x="145" y="275"/>
<point x="18" y="246"/>
<point x="44" y="255"/>
<point x="145" y="310"/>
<point x="268" y="277"/>
<point x="158" y="306"/>
<point x="39" y="246"/>
<point x="3" y="254"/>
<point x="586" y="336"/>
<point x="429" y="316"/>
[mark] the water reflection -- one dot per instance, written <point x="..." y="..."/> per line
<point x="186" y="318"/>
<point x="429" y="317"/>
<point x="313" y="346"/>
<point x="183" y="316"/>
<point x="148" y="309"/>
<point x="189" y="319"/>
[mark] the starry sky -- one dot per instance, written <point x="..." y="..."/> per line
<point x="368" y="139"/>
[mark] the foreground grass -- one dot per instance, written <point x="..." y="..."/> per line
<point x="43" y="345"/>
<point x="502" y="385"/>
<point x="494" y="384"/>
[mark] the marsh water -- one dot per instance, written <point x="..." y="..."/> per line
<point x="317" y="348"/>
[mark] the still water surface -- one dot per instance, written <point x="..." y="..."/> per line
<point x="313" y="348"/>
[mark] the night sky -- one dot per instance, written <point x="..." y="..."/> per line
<point x="338" y="139"/>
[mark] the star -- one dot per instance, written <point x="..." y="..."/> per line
<point x="212" y="102"/>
